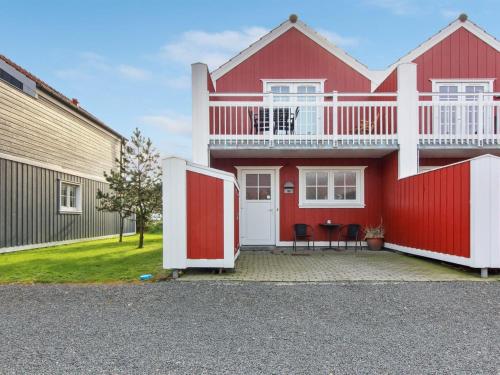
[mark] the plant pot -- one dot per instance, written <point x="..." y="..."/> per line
<point x="375" y="243"/>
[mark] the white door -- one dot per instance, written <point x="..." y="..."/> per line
<point x="258" y="207"/>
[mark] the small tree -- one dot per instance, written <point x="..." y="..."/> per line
<point x="143" y="180"/>
<point x="117" y="199"/>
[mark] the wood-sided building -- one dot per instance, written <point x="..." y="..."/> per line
<point x="52" y="157"/>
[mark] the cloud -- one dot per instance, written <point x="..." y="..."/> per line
<point x="212" y="48"/>
<point x="397" y="7"/>
<point x="172" y="123"/>
<point x="180" y="82"/>
<point x="339" y="40"/>
<point x="132" y="72"/>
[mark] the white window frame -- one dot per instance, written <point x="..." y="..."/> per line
<point x="66" y="209"/>
<point x="331" y="202"/>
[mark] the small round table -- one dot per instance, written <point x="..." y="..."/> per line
<point x="330" y="227"/>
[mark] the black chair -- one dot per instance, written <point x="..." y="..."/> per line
<point x="293" y="118"/>
<point x="352" y="232"/>
<point x="300" y="231"/>
<point x="260" y="120"/>
<point x="281" y="119"/>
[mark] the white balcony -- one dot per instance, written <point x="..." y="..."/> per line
<point x="350" y="120"/>
<point x="302" y="121"/>
<point x="459" y="119"/>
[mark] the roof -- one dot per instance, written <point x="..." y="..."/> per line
<point x="57" y="95"/>
<point x="437" y="38"/>
<point x="280" y="30"/>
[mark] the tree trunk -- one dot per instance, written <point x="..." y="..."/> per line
<point x="141" y="234"/>
<point x="122" y="221"/>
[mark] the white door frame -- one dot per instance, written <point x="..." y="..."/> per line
<point x="277" y="213"/>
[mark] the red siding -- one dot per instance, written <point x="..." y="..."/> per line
<point x="290" y="213"/>
<point x="429" y="211"/>
<point x="292" y="55"/>
<point x="205" y="217"/>
<point x="460" y="55"/>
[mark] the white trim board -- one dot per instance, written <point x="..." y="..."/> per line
<point x="277" y="32"/>
<point x="52" y="167"/>
<point x="57" y="243"/>
<point x="431" y="254"/>
<point x="437" y="38"/>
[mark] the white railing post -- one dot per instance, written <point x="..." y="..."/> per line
<point x="407" y="120"/>
<point x="335" y="100"/>
<point x="200" y="113"/>
<point x="480" y="118"/>
<point x="271" y="119"/>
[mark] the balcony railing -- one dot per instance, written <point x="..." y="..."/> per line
<point x="459" y="119"/>
<point x="351" y="119"/>
<point x="303" y="119"/>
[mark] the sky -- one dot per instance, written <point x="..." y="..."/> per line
<point x="128" y="62"/>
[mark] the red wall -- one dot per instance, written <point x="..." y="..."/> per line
<point x="205" y="213"/>
<point x="293" y="55"/>
<point x="290" y="213"/>
<point x="460" y="55"/>
<point x="429" y="211"/>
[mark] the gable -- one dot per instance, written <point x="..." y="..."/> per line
<point x="462" y="54"/>
<point x="292" y="55"/>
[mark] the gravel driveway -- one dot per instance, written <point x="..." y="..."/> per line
<point x="210" y="328"/>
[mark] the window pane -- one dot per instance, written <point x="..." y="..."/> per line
<point x="350" y="193"/>
<point x="251" y="180"/>
<point x="323" y="193"/>
<point x="350" y="178"/>
<point x="339" y="193"/>
<point x="311" y="193"/>
<point x="322" y="178"/>
<point x="264" y="179"/>
<point x="264" y="193"/>
<point x="252" y="193"/>
<point x="338" y="178"/>
<point x="311" y="178"/>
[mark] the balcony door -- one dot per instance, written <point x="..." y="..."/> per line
<point x="309" y="116"/>
<point x="455" y="115"/>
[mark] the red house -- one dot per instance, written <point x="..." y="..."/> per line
<point x="311" y="135"/>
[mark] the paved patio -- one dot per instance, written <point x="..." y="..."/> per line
<point x="330" y="265"/>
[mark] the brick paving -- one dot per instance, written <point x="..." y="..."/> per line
<point x="330" y="265"/>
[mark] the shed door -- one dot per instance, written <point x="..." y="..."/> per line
<point x="257" y="217"/>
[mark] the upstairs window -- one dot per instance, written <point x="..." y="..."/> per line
<point x="324" y="187"/>
<point x="4" y="76"/>
<point x="70" y="197"/>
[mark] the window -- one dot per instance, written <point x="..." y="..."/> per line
<point x="454" y="116"/>
<point x="4" y="76"/>
<point x="309" y="118"/>
<point x="258" y="186"/>
<point x="331" y="187"/>
<point x="70" y="197"/>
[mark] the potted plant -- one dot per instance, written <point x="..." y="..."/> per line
<point x="374" y="237"/>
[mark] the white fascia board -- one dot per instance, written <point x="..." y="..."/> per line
<point x="280" y="30"/>
<point x="437" y="38"/>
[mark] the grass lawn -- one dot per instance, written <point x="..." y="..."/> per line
<point x="85" y="262"/>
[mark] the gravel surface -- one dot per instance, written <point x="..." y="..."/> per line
<point x="212" y="328"/>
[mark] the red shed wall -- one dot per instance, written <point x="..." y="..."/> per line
<point x="205" y="213"/>
<point x="292" y="55"/>
<point x="290" y="213"/>
<point x="428" y="211"/>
